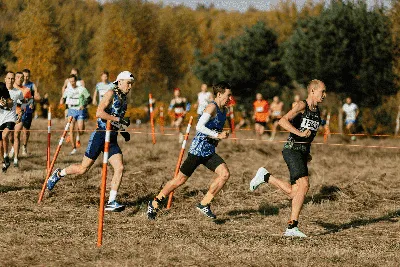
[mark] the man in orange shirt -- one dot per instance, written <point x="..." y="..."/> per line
<point x="261" y="115"/>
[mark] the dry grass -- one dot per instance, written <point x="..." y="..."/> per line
<point x="351" y="213"/>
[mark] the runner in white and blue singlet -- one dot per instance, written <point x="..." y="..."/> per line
<point x="102" y="87"/>
<point x="302" y="122"/>
<point x="112" y="107"/>
<point x="202" y="151"/>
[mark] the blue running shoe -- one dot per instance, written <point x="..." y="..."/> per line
<point x="206" y="210"/>
<point x="54" y="178"/>
<point x="114" y="206"/>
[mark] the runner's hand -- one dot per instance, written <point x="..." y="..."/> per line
<point x="306" y="133"/>
<point x="223" y="135"/>
<point x="125" y="135"/>
<point x="125" y="121"/>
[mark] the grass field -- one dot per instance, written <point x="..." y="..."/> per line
<point x="351" y="213"/>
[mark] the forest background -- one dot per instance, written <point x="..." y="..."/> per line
<point x="354" y="48"/>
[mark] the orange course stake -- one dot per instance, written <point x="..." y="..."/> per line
<point x="232" y="122"/>
<point x="327" y="131"/>
<point x="162" y="119"/>
<point x="103" y="185"/>
<point x="48" y="138"/>
<point x="152" y="119"/>
<point x="54" y="159"/>
<point x="178" y="164"/>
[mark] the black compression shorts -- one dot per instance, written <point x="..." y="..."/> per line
<point x="192" y="162"/>
<point x="297" y="163"/>
<point x="9" y="125"/>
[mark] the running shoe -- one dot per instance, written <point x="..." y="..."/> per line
<point x="78" y="144"/>
<point x="73" y="152"/>
<point x="16" y="165"/>
<point x="294" y="232"/>
<point x="206" y="210"/>
<point x="6" y="164"/>
<point x="114" y="206"/>
<point x="258" y="179"/>
<point x="24" y="151"/>
<point x="53" y="179"/>
<point x="151" y="211"/>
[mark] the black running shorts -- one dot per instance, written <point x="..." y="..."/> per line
<point x="192" y="162"/>
<point x="297" y="163"/>
<point x="9" y="125"/>
<point x="262" y="123"/>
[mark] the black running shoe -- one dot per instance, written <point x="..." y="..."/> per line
<point x="151" y="211"/>
<point x="206" y="210"/>
<point x="6" y="164"/>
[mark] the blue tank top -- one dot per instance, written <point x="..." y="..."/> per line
<point x="30" y="86"/>
<point x="202" y="145"/>
<point x="116" y="108"/>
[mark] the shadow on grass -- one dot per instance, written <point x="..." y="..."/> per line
<point x="334" y="228"/>
<point x="327" y="192"/>
<point x="140" y="201"/>
<point x="263" y="209"/>
<point x="12" y="188"/>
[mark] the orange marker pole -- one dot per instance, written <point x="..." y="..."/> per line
<point x="178" y="164"/>
<point x="327" y="131"/>
<point x="54" y="159"/>
<point x="48" y="138"/>
<point x="152" y="119"/>
<point x="232" y="122"/>
<point x="162" y="119"/>
<point x="103" y="185"/>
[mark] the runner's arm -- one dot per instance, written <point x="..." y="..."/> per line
<point x="37" y="95"/>
<point x="95" y="97"/>
<point x="209" y="111"/>
<point x="284" y="122"/>
<point x="105" y="102"/>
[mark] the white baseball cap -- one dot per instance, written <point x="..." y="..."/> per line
<point x="125" y="75"/>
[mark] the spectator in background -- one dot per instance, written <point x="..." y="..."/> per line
<point x="102" y="87"/>
<point x="261" y="115"/>
<point x="351" y="111"/>
<point x="296" y="100"/>
<point x="203" y="99"/>
<point x="44" y="105"/>
<point x="276" y="112"/>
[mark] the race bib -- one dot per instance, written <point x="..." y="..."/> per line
<point x="309" y="124"/>
<point x="178" y="110"/>
<point x="260" y="109"/>
<point x="276" y="113"/>
<point x="72" y="101"/>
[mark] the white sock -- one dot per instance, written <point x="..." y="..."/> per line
<point x="113" y="195"/>
<point x="5" y="155"/>
<point x="77" y="137"/>
<point x="15" y="160"/>
<point x="12" y="150"/>
<point x="63" y="173"/>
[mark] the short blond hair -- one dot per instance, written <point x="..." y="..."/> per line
<point x="314" y="84"/>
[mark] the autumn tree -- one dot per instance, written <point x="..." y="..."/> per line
<point x="35" y="43"/>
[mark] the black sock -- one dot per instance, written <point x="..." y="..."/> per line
<point x="266" y="177"/>
<point x="292" y="224"/>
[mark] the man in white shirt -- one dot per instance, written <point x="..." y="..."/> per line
<point x="203" y="99"/>
<point x="352" y="112"/>
<point x="102" y="87"/>
<point x="8" y="118"/>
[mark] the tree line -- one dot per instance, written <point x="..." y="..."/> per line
<point x="352" y="47"/>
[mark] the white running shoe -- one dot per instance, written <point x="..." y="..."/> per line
<point x="73" y="152"/>
<point x="24" y="151"/>
<point x="294" y="232"/>
<point x="11" y="154"/>
<point x="258" y="179"/>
